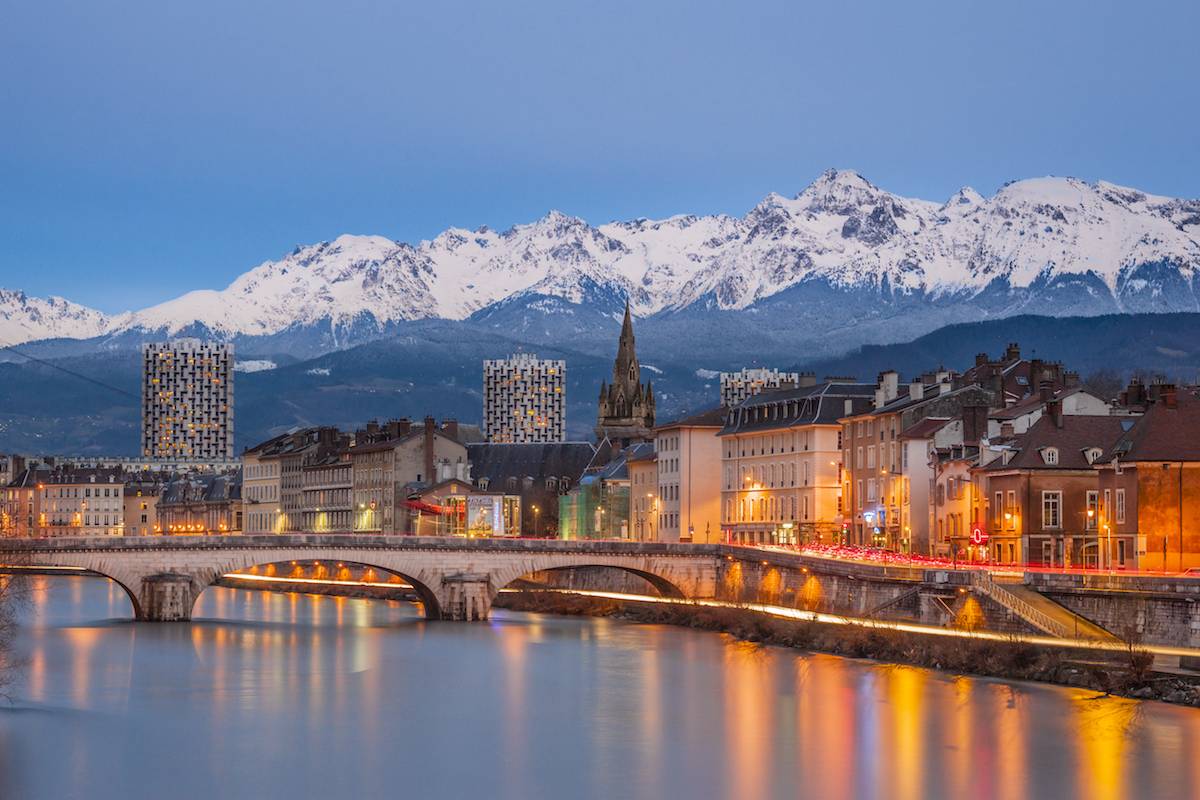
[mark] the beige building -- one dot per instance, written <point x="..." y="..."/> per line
<point x="643" y="491"/>
<point x="689" y="477"/>
<point x="326" y="489"/>
<point x="781" y="458"/>
<point x="80" y="502"/>
<point x="388" y="463"/>
<point x="141" y="509"/>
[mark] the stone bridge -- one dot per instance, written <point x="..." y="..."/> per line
<point x="456" y="579"/>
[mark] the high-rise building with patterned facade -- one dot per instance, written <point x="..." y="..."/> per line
<point x="187" y="400"/>
<point x="524" y="399"/>
<point x="737" y="386"/>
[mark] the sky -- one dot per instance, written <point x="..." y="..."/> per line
<point x="151" y="148"/>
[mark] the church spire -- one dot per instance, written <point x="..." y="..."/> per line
<point x="626" y="411"/>
<point x="626" y="370"/>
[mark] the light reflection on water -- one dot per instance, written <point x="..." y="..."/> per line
<point x="270" y="695"/>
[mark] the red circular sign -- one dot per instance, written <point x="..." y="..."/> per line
<point x="978" y="535"/>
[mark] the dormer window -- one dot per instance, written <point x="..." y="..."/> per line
<point x="1092" y="454"/>
<point x="1050" y="456"/>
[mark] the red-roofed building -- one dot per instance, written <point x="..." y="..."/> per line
<point x="1039" y="501"/>
<point x="1150" y="486"/>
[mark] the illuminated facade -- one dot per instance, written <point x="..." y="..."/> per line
<point x="326" y="484"/>
<point x="71" y="502"/>
<point x="524" y="399"/>
<point x="781" y="463"/>
<point x="688" y="496"/>
<point x="187" y="400"/>
<point x="201" y="505"/>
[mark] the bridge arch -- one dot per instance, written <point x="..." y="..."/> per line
<point x="665" y="584"/>
<point x="430" y="604"/>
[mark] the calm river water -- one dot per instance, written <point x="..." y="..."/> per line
<point x="295" y="696"/>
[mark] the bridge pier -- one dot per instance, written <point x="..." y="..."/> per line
<point x="466" y="597"/>
<point x="166" y="597"/>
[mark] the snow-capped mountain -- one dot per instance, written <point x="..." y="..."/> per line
<point x="840" y="252"/>
<point x="24" y="318"/>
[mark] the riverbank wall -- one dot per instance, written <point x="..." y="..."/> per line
<point x="1128" y="673"/>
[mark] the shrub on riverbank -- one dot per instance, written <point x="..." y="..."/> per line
<point x="1123" y="672"/>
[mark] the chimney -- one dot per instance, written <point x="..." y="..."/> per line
<point x="974" y="419"/>
<point x="879" y="401"/>
<point x="944" y="386"/>
<point x="1046" y="390"/>
<point x="981" y="359"/>
<point x="1012" y="352"/>
<point x="1170" y="397"/>
<point x="450" y="428"/>
<point x="404" y="425"/>
<point x="1054" y="411"/>
<point x="807" y="379"/>
<point x="430" y="427"/>
<point x="889" y="381"/>
<point x="1006" y="429"/>
<point x="916" y="390"/>
<point x="373" y="428"/>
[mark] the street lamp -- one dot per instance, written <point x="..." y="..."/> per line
<point x="536" y="516"/>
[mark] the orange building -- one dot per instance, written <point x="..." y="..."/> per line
<point x="1150" y="485"/>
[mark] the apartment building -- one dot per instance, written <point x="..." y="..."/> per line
<point x="187" y="400"/>
<point x="524" y="399"/>
<point x="738" y="386"/>
<point x="875" y="483"/>
<point x="75" y="502"/>
<point x="1149" y="483"/>
<point x="388" y="463"/>
<point x="326" y="489"/>
<point x="688" y="471"/>
<point x="141" y="508"/>
<point x="1040" y="500"/>
<point x="781" y="462"/>
<point x="644" y="503"/>
<point x="201" y="504"/>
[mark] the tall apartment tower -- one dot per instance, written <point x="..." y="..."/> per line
<point x="524" y="399"/>
<point x="187" y="400"/>
<point x="737" y="386"/>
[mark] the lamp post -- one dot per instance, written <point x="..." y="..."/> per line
<point x="536" y="517"/>
<point x="653" y="508"/>
<point x="1091" y="516"/>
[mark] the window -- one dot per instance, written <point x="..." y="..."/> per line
<point x="870" y="458"/>
<point x="1093" y="509"/>
<point x="1051" y="509"/>
<point x="1010" y="510"/>
<point x="859" y="493"/>
<point x="1050" y="456"/>
<point x="998" y="508"/>
<point x="1120" y="505"/>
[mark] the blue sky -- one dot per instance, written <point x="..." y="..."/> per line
<point x="148" y="148"/>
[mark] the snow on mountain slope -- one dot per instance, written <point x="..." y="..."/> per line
<point x="24" y="318"/>
<point x="1141" y="251"/>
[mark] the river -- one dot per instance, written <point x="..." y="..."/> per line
<point x="292" y="696"/>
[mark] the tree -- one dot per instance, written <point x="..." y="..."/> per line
<point x="12" y="595"/>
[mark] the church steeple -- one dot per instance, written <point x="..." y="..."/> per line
<point x="626" y="370"/>
<point x="626" y="411"/>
